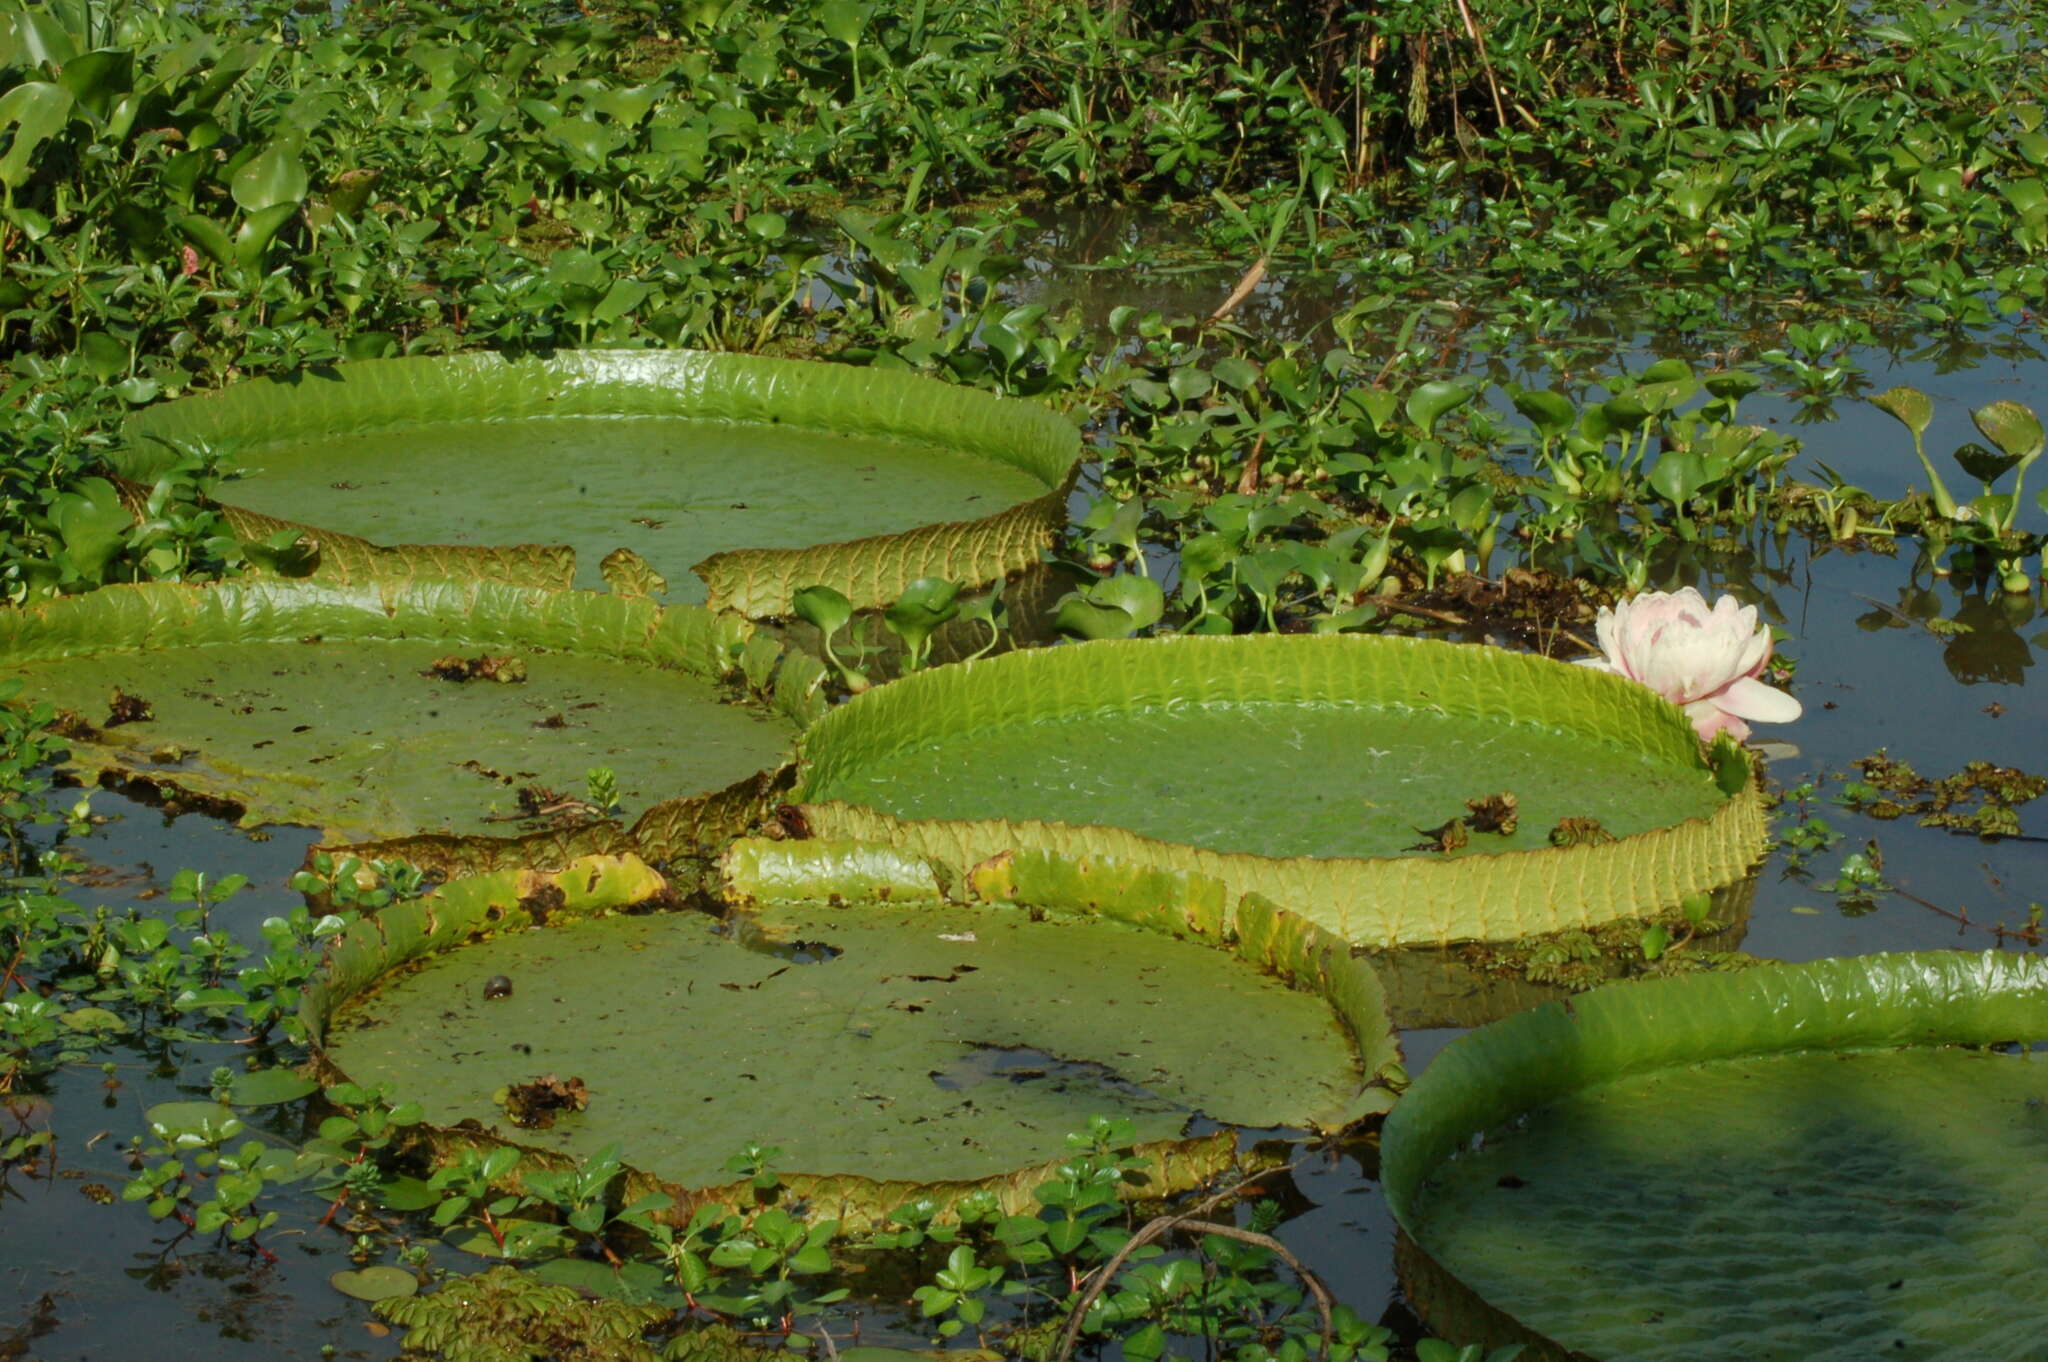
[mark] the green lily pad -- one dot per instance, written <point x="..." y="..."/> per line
<point x="333" y="705"/>
<point x="269" y="1088"/>
<point x="97" y="1020"/>
<point x="891" y="1050"/>
<point x="381" y="1282"/>
<point x="1320" y="772"/>
<point x="186" y="1125"/>
<point x="1823" y="1160"/>
<point x="762" y="475"/>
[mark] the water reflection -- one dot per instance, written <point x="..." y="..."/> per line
<point x="1460" y="986"/>
<point x="1983" y="635"/>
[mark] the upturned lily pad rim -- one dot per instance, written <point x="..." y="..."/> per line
<point x="808" y="395"/>
<point x="1491" y="1075"/>
<point x="1371" y="901"/>
<point x="467" y="910"/>
<point x="1843" y="1003"/>
<point x="143" y="617"/>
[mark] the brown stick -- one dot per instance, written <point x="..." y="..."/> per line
<point x="1248" y="481"/>
<point x="1106" y="1274"/>
<point x="1398" y="606"/>
<point x="1243" y="290"/>
<point x="1500" y="112"/>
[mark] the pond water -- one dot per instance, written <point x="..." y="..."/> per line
<point x="82" y="1280"/>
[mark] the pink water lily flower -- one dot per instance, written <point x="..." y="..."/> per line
<point x="1706" y="661"/>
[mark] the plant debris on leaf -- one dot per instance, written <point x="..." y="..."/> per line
<point x="532" y="1105"/>
<point x="500" y="667"/>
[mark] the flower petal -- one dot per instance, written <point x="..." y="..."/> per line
<point x="1752" y="699"/>
<point x="1709" y="718"/>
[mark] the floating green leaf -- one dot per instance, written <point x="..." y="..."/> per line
<point x="1298" y="768"/>
<point x="1914" y="410"/>
<point x="1431" y="401"/>
<point x="1115" y="607"/>
<point x="881" y="1040"/>
<point x="673" y="454"/>
<point x="263" y="693"/>
<point x="2013" y="427"/>
<point x="269" y="1087"/>
<point x="1858" y="1145"/>
<point x="925" y="604"/>
<point x="381" y="1282"/>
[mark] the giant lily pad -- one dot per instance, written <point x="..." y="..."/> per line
<point x="321" y="704"/>
<point x="1319" y="772"/>
<point x="892" y="1044"/>
<point x="763" y="475"/>
<point x="1823" y="1161"/>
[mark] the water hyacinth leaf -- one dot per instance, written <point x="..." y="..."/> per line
<point x="93" y="523"/>
<point x="1431" y="401"/>
<point x="256" y="690"/>
<point x="1625" y="412"/>
<point x="1985" y="465"/>
<point x="1731" y="385"/>
<point x="104" y="357"/>
<point x="2013" y="428"/>
<point x="1678" y="475"/>
<point x="1552" y="412"/>
<point x="1666" y="383"/>
<point x="761" y="476"/>
<point x="274" y="175"/>
<point x="207" y="235"/>
<point x="36" y="111"/>
<point x="37" y="37"/>
<point x="1376" y="404"/>
<point x="255" y="234"/>
<point x="97" y="79"/>
<point x="844" y="20"/>
<point x="1114" y="748"/>
<point x="924" y="605"/>
<point x="1864" y="1117"/>
<point x="823" y="608"/>
<point x="1115" y="607"/>
<point x="1909" y="406"/>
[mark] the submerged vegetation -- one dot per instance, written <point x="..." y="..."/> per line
<point x="1485" y="317"/>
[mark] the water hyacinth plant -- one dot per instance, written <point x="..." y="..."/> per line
<point x="1704" y="660"/>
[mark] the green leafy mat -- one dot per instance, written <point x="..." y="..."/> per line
<point x="762" y="475"/>
<point x="1801" y="1158"/>
<point x="1305" y="769"/>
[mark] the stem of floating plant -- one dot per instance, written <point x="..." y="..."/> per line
<point x="2019" y="482"/>
<point x="1943" y="502"/>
